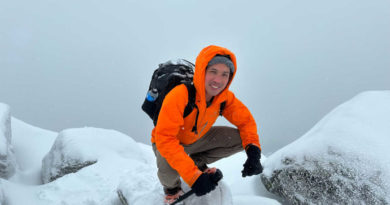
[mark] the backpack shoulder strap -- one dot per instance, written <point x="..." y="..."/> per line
<point x="191" y="99"/>
<point x="222" y="107"/>
<point x="191" y="105"/>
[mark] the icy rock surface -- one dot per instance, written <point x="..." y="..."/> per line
<point x="77" y="148"/>
<point x="7" y="157"/>
<point x="341" y="160"/>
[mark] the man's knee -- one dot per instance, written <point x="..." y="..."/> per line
<point x="168" y="177"/>
<point x="228" y="136"/>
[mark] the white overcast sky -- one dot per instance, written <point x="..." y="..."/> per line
<point x="76" y="63"/>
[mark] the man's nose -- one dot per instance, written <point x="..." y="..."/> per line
<point x="218" y="79"/>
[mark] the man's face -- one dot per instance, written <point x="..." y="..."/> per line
<point x="217" y="77"/>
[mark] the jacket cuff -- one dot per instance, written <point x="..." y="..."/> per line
<point x="194" y="178"/>
<point x="248" y="145"/>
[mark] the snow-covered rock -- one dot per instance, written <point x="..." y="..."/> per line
<point x="253" y="199"/>
<point x="7" y="158"/>
<point x="343" y="159"/>
<point x="77" y="148"/>
<point x="145" y="189"/>
<point x="25" y="140"/>
<point x="245" y="191"/>
<point x="220" y="196"/>
<point x="30" y="145"/>
<point x="120" y="163"/>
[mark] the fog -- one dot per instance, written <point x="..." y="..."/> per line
<point x="67" y="64"/>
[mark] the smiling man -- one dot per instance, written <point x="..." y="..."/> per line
<point x="185" y="145"/>
<point x="217" y="76"/>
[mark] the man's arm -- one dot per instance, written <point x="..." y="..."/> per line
<point x="168" y="125"/>
<point x="239" y="115"/>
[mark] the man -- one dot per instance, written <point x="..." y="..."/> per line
<point x="184" y="151"/>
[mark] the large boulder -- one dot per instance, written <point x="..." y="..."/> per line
<point x="77" y="148"/>
<point x="7" y="158"/>
<point x="341" y="160"/>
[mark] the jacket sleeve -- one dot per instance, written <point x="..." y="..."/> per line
<point x="239" y="115"/>
<point x="169" y="122"/>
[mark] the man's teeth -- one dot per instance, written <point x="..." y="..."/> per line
<point x="213" y="86"/>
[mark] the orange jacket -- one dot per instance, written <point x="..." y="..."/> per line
<point x="172" y="129"/>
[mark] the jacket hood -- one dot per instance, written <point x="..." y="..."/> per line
<point x="205" y="55"/>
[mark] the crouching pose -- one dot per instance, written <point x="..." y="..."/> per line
<point x="185" y="145"/>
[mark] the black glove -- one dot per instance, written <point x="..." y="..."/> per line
<point x="252" y="165"/>
<point x="206" y="183"/>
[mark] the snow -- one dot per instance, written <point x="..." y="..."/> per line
<point x="4" y="139"/>
<point x="252" y="199"/>
<point x="364" y="120"/>
<point x="355" y="135"/>
<point x="88" y="145"/>
<point x="31" y="144"/>
<point x="8" y="164"/>
<point x="248" y="190"/>
<point x="122" y="163"/>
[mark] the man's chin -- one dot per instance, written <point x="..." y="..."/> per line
<point x="215" y="94"/>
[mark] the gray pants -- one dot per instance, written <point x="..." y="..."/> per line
<point x="219" y="142"/>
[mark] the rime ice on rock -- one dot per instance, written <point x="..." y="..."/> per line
<point x="7" y="158"/>
<point x="77" y="148"/>
<point x="341" y="160"/>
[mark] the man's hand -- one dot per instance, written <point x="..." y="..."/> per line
<point x="207" y="181"/>
<point x="252" y="165"/>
